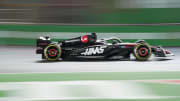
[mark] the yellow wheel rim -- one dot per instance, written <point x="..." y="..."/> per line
<point x="46" y="55"/>
<point x="139" y="57"/>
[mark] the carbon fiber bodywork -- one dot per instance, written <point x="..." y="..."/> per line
<point x="88" y="47"/>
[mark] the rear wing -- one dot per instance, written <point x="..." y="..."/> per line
<point x="41" y="43"/>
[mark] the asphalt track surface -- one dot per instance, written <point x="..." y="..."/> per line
<point x="21" y="59"/>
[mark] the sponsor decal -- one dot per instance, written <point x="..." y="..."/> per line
<point x="167" y="52"/>
<point x="42" y="44"/>
<point x="123" y="46"/>
<point x="94" y="50"/>
<point x="84" y="39"/>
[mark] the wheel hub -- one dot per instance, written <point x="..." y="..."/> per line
<point x="52" y="52"/>
<point x="143" y="51"/>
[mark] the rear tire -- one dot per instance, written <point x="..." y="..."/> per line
<point x="142" y="52"/>
<point x="52" y="52"/>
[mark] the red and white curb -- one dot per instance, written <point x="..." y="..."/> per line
<point x="162" y="81"/>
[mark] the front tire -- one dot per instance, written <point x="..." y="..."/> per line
<point x="142" y="52"/>
<point x="52" y="52"/>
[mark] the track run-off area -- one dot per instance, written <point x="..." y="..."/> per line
<point x="25" y="77"/>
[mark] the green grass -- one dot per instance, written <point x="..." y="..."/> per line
<point x="163" y="89"/>
<point x="84" y="29"/>
<point x="140" y="15"/>
<point x="171" y="91"/>
<point x="4" y="93"/>
<point x="168" y="99"/>
<point x="88" y="76"/>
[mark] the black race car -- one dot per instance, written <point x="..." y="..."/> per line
<point x="88" y="47"/>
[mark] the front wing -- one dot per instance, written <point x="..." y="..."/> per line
<point x="160" y="52"/>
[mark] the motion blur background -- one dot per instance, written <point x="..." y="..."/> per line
<point x="22" y="21"/>
<point x="25" y="77"/>
<point x="90" y="11"/>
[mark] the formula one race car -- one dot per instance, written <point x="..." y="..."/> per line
<point x="88" y="47"/>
